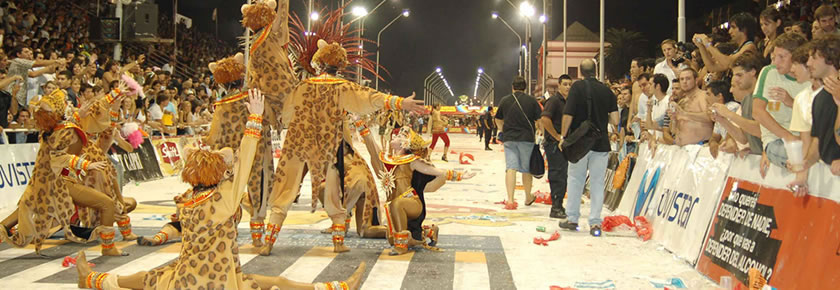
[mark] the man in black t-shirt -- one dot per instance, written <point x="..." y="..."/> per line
<point x="516" y="116"/>
<point x="824" y="63"/>
<point x="552" y="120"/>
<point x="604" y="110"/>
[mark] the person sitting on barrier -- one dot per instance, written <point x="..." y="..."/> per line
<point x="824" y="63"/>
<point x="772" y="101"/>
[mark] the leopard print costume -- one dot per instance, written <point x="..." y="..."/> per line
<point x="209" y="256"/>
<point x="46" y="201"/>
<point x="226" y="130"/>
<point x="269" y="67"/>
<point x="104" y="181"/>
<point x="359" y="178"/>
<point x="316" y="114"/>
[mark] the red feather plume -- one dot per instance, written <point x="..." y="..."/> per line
<point x="331" y="30"/>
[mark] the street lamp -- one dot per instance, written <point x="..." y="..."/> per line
<point x="359" y="11"/>
<point x="314" y="16"/>
<point x="526" y="9"/>
<point x="543" y="18"/>
<point x="405" y="13"/>
<point x="495" y="15"/>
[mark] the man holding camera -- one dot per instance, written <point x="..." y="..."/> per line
<point x="673" y="63"/>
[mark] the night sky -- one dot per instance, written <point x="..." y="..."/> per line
<point x="460" y="36"/>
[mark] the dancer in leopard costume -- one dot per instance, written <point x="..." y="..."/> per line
<point x="210" y="211"/>
<point x="315" y="114"/>
<point x="48" y="200"/>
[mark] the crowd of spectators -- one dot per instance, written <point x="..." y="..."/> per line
<point x="769" y="87"/>
<point x="46" y="45"/>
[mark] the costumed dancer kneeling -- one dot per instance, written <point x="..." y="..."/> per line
<point x="48" y="200"/>
<point x="408" y="177"/>
<point x="209" y="214"/>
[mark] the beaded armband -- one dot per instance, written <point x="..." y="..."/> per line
<point x="94" y="280"/>
<point x="336" y="285"/>
<point x="112" y="96"/>
<point x="393" y="103"/>
<point x="453" y="175"/>
<point x="254" y="126"/>
<point x="361" y="128"/>
<point x="77" y="163"/>
<point x="115" y="117"/>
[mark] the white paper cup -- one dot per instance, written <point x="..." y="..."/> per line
<point x="795" y="155"/>
<point x="726" y="282"/>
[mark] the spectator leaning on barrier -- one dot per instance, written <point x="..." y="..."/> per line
<point x="741" y="126"/>
<point x="604" y="111"/>
<point x="516" y="116"/>
<point x="773" y="101"/>
<point x="645" y="84"/>
<point x="657" y="106"/>
<point x="691" y="120"/>
<point x="801" y="117"/>
<point x="723" y="100"/>
<point x="824" y="63"/>
<point x="552" y="121"/>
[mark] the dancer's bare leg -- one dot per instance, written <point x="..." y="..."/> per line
<point x="133" y="281"/>
<point x="266" y="282"/>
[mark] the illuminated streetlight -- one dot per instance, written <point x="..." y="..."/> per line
<point x="406" y="12"/>
<point x="359" y="11"/>
<point x="480" y="70"/>
<point x="526" y="9"/>
<point x="437" y="70"/>
<point x="314" y="16"/>
<point x="494" y="14"/>
<point x="543" y="19"/>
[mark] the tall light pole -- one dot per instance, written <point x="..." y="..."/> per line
<point x="426" y="86"/>
<point x="565" y="43"/>
<point x="527" y="10"/>
<point x="360" y="13"/>
<point x="495" y="15"/>
<point x="601" y="54"/>
<point x="405" y="13"/>
<point x="681" y="21"/>
<point x="544" y="53"/>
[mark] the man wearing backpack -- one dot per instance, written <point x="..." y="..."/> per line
<point x="602" y="110"/>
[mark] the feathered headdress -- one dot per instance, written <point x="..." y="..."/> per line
<point x="304" y="43"/>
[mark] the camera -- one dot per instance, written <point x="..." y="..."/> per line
<point x="685" y="49"/>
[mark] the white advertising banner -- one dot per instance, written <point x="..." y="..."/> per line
<point x="16" y="164"/>
<point x="682" y="208"/>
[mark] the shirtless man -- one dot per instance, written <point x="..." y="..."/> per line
<point x="693" y="122"/>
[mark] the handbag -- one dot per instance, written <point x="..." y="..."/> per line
<point x="537" y="164"/>
<point x="582" y="139"/>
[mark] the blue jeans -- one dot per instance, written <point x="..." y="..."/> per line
<point x="518" y="155"/>
<point x="596" y="164"/>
